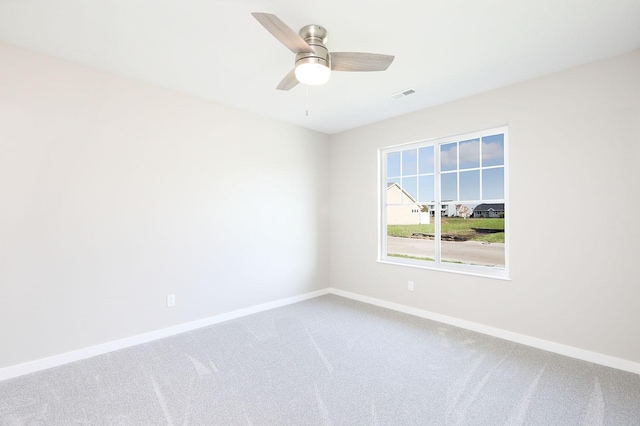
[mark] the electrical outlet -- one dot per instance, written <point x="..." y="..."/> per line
<point x="171" y="300"/>
<point x="410" y="285"/>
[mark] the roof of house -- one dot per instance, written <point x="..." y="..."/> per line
<point x="486" y="207"/>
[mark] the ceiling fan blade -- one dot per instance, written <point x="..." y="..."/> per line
<point x="289" y="81"/>
<point x="283" y="33"/>
<point x="357" y="61"/>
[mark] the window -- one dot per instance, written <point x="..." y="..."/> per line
<point x="444" y="204"/>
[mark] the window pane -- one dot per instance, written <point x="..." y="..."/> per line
<point x="470" y="185"/>
<point x="493" y="184"/>
<point x="476" y="240"/>
<point x="449" y="156"/>
<point x="410" y="233"/>
<point x="410" y="186"/>
<point x="426" y="160"/>
<point x="493" y="150"/>
<point x="470" y="154"/>
<point x="410" y="162"/>
<point x="426" y="187"/>
<point x="393" y="164"/>
<point x="449" y="184"/>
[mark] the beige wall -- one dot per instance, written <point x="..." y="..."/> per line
<point x="116" y="193"/>
<point x="406" y="214"/>
<point x="574" y="141"/>
<point x="403" y="215"/>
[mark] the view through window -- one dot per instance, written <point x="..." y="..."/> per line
<point x="444" y="203"/>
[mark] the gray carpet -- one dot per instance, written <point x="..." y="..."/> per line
<point x="325" y="361"/>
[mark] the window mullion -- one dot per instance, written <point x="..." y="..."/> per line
<point x="457" y="172"/>
<point x="382" y="248"/>
<point x="480" y="172"/>
<point x="437" y="215"/>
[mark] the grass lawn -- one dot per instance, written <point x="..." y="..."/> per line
<point x="454" y="226"/>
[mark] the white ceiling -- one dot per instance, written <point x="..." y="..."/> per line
<point x="215" y="49"/>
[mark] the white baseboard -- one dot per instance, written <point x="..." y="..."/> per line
<point x="68" y="357"/>
<point x="570" y="351"/>
<point x="65" y="358"/>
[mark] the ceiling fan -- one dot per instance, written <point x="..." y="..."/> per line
<point x="314" y="63"/>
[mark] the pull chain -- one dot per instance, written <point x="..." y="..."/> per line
<point x="307" y="110"/>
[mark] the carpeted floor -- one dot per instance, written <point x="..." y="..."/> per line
<point x="325" y="361"/>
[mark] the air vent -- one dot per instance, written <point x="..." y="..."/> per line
<point x="403" y="93"/>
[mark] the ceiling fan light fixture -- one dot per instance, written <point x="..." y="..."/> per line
<point x="312" y="72"/>
<point x="313" y="63"/>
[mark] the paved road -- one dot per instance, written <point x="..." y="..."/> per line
<point x="474" y="252"/>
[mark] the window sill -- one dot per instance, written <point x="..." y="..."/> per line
<point x="476" y="271"/>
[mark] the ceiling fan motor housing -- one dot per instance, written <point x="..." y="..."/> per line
<point x="316" y="37"/>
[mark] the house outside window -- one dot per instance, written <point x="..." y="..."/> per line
<point x="464" y="179"/>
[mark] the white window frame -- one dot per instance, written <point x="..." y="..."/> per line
<point x="477" y="270"/>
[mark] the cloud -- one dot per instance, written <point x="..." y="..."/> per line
<point x="470" y="151"/>
<point x="492" y="150"/>
<point x="448" y="157"/>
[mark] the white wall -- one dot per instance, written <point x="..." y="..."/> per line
<point x="116" y="193"/>
<point x="574" y="147"/>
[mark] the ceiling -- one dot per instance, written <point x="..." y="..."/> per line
<point x="215" y="49"/>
